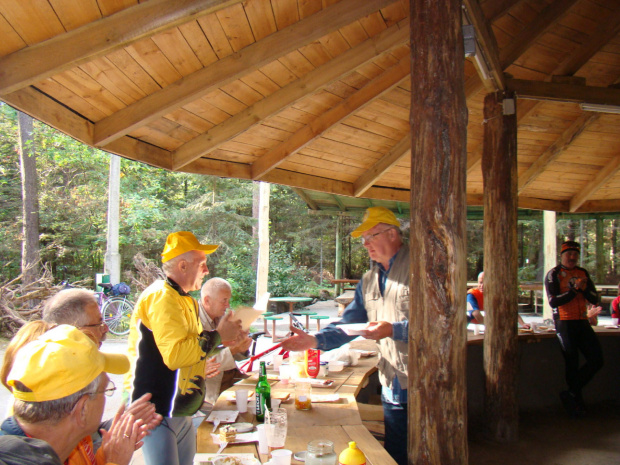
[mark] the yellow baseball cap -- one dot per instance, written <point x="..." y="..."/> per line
<point x="180" y="242"/>
<point x="60" y="363"/>
<point x="374" y="216"/>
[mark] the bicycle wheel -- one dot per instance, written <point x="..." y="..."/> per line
<point x="116" y="313"/>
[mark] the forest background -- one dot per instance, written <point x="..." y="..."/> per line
<point x="72" y="199"/>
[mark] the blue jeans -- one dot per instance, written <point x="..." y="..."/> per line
<point x="173" y="442"/>
<point x="395" y="418"/>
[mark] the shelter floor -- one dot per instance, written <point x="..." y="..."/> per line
<point x="551" y="438"/>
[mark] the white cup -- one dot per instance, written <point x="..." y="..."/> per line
<point x="476" y="330"/>
<point x="241" y="396"/>
<point x="285" y="374"/>
<point x="614" y="321"/>
<point x="263" y="447"/>
<point x="277" y="361"/>
<point x="275" y="403"/>
<point x="281" y="456"/>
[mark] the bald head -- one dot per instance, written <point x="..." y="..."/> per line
<point x="215" y="296"/>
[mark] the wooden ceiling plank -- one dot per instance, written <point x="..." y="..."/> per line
<point x="38" y="105"/>
<point x="486" y="41"/>
<point x="556" y="149"/>
<point x="539" y="90"/>
<point x="288" y="95"/>
<point x="494" y="9"/>
<point x="231" y="68"/>
<point x="381" y="84"/>
<point x="604" y="34"/>
<point x="364" y="182"/>
<point x="93" y="40"/>
<point x="604" y="175"/>
<point x="551" y="14"/>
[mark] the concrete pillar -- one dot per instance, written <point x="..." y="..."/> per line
<point x="112" y="264"/>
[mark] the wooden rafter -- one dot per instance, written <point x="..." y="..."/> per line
<point x="93" y="40"/>
<point x="533" y="31"/>
<point x="556" y="149"/>
<point x="601" y="178"/>
<point x="564" y="92"/>
<point x="486" y="41"/>
<point x="289" y="94"/>
<point x="372" y="90"/>
<point x="494" y="9"/>
<point x="306" y="198"/>
<point x="364" y="182"/>
<point x="231" y="68"/>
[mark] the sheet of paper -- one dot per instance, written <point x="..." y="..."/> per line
<point x="224" y="416"/>
<point x="248" y="315"/>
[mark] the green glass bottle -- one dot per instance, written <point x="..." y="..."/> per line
<point x="263" y="393"/>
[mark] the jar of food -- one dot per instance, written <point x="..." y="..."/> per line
<point x="303" y="395"/>
<point x="321" y="452"/>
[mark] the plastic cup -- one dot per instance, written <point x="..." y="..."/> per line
<point x="285" y="374"/>
<point x="277" y="361"/>
<point x="275" y="403"/>
<point x="476" y="330"/>
<point x="241" y="397"/>
<point x="263" y="446"/>
<point x="614" y="321"/>
<point x="281" y="456"/>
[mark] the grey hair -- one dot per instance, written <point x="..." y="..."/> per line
<point x="214" y="285"/>
<point x="171" y="264"/>
<point x="67" y="307"/>
<point x="51" y="411"/>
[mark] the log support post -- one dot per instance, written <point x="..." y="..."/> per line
<point x="437" y="324"/>
<point x="499" y="171"/>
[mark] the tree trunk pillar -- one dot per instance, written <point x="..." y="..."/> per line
<point x="550" y="256"/>
<point x="499" y="172"/>
<point x="437" y="329"/>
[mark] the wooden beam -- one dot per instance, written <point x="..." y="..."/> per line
<point x="501" y="348"/>
<point x="390" y="78"/>
<point x="601" y="206"/>
<point x="291" y="93"/>
<point x="31" y="101"/>
<point x="486" y="41"/>
<point x="364" y="182"/>
<point x="539" y="90"/>
<point x="604" y="33"/>
<point x="437" y="341"/>
<point x="45" y="59"/>
<point x="601" y="178"/>
<point x="524" y="40"/>
<point x="306" y="198"/>
<point x="232" y="67"/>
<point x="556" y="149"/>
<point x="494" y="9"/>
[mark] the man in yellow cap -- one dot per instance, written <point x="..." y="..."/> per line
<point x="169" y="348"/>
<point x="382" y="301"/>
<point x="59" y="383"/>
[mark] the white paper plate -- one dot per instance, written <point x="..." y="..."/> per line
<point x="235" y="459"/>
<point x="354" y="329"/>
<point x="243" y="427"/>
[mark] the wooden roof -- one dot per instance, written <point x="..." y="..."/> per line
<point x="315" y="94"/>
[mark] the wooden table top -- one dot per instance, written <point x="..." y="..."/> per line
<point x="338" y="421"/>
<point x="528" y="336"/>
<point x="290" y="299"/>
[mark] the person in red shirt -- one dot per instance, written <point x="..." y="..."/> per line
<point x="615" y="305"/>
<point x="569" y="288"/>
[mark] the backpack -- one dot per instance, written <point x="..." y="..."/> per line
<point x="121" y="289"/>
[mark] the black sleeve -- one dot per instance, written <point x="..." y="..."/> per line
<point x="552" y="285"/>
<point x="590" y="293"/>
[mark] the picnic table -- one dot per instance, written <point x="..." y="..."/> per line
<point x="291" y="301"/>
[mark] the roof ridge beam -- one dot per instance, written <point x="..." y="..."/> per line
<point x="60" y="53"/>
<point x="232" y="67"/>
<point x="604" y="175"/>
<point x="302" y="137"/>
<point x="325" y="74"/>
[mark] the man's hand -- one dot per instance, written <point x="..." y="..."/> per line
<point x="144" y="410"/>
<point x="299" y="341"/>
<point x="581" y="284"/>
<point x="212" y="368"/>
<point x="593" y="313"/>
<point x="377" y="330"/>
<point x="242" y="343"/>
<point x="229" y="328"/>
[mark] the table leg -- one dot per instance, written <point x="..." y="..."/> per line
<point x="308" y="322"/>
<point x="273" y="334"/>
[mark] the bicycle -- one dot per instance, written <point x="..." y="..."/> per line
<point x="116" y="310"/>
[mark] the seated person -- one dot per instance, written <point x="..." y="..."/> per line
<point x="214" y="301"/>
<point x="475" y="304"/>
<point x="615" y="305"/>
<point x="59" y="383"/>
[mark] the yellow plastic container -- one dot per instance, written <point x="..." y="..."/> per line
<point x="352" y="456"/>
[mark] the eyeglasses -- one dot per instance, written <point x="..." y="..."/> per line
<point x="108" y="391"/>
<point x="102" y="324"/>
<point x="371" y="237"/>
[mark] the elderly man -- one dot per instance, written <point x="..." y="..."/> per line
<point x="214" y="301"/>
<point x="169" y="349"/>
<point x="59" y="383"/>
<point x="382" y="300"/>
<point x="569" y="287"/>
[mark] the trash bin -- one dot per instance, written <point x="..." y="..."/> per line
<point x="101" y="278"/>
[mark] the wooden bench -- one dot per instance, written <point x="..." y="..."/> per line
<point x="343" y="300"/>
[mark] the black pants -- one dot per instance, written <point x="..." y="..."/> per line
<point x="578" y="336"/>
